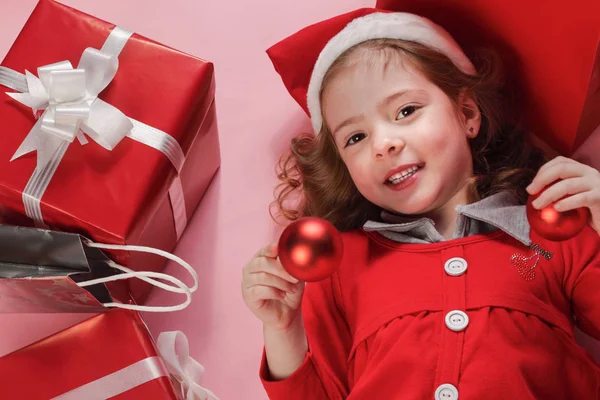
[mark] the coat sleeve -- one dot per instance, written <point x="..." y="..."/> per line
<point x="582" y="267"/>
<point x="324" y="372"/>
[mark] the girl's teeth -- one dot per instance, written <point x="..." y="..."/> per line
<point x="399" y="177"/>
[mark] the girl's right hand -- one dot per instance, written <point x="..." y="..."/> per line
<point x="269" y="291"/>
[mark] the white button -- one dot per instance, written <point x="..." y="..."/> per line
<point x="455" y="266"/>
<point x="446" y="392"/>
<point x="457" y="320"/>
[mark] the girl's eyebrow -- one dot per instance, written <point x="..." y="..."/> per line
<point x="386" y="102"/>
<point x="347" y="122"/>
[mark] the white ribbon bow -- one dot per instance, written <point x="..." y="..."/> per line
<point x="70" y="100"/>
<point x="174" y="349"/>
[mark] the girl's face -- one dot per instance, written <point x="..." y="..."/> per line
<point x="403" y="141"/>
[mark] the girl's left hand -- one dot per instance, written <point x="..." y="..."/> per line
<point x="581" y="183"/>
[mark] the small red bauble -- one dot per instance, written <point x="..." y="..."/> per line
<point x="310" y="249"/>
<point x="553" y="225"/>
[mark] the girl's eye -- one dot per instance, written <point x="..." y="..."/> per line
<point x="406" y="112"/>
<point x="355" y="139"/>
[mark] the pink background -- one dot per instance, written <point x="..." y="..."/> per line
<point x="256" y="120"/>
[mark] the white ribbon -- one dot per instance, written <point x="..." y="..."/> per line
<point x="118" y="382"/>
<point x="70" y="100"/>
<point x="65" y="102"/>
<point x="173" y="347"/>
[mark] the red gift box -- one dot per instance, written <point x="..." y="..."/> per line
<point x="551" y="50"/>
<point x="119" y="196"/>
<point x="114" y="342"/>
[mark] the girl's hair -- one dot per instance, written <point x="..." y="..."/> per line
<point x="503" y="156"/>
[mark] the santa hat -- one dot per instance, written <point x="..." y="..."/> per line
<point x="304" y="58"/>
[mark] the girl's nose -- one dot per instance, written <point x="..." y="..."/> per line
<point x="387" y="143"/>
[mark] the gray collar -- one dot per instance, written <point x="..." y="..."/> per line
<point x="498" y="211"/>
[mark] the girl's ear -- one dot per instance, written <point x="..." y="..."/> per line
<point x="470" y="115"/>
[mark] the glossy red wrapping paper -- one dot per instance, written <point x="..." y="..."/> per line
<point x="118" y="197"/>
<point x="551" y="51"/>
<point x="81" y="354"/>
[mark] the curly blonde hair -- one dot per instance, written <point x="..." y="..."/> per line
<point x="504" y="158"/>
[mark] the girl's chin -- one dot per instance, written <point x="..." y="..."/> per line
<point x="413" y="210"/>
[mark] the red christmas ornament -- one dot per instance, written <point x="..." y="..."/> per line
<point x="553" y="225"/>
<point x="310" y="249"/>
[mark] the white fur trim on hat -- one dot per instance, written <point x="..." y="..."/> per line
<point x="378" y="25"/>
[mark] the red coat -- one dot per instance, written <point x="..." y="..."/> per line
<point x="383" y="328"/>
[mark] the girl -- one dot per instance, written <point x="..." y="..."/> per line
<point x="443" y="292"/>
